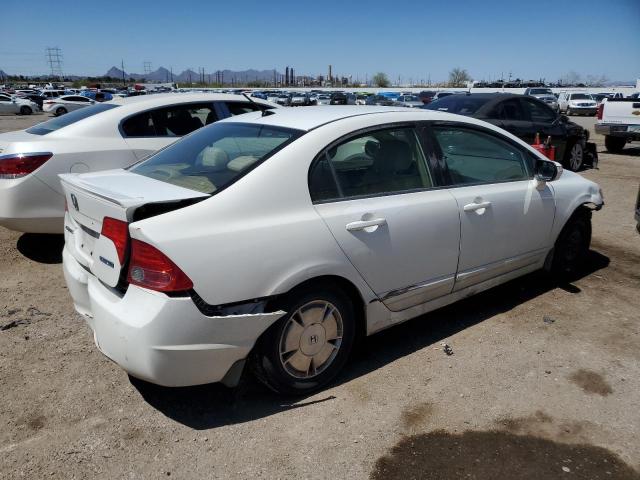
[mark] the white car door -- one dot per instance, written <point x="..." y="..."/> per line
<point x="7" y="105"/>
<point x="149" y="131"/>
<point x="375" y="193"/>
<point x="505" y="220"/>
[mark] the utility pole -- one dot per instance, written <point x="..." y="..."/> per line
<point x="147" y="67"/>
<point x="124" y="83"/>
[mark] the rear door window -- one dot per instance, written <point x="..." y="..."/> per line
<point x="173" y="121"/>
<point x="380" y="162"/>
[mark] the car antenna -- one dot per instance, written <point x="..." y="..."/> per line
<point x="248" y="97"/>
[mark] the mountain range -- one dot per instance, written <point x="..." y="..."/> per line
<point x="163" y="74"/>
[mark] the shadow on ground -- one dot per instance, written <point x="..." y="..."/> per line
<point x="628" y="151"/>
<point x="210" y="406"/>
<point x="493" y="455"/>
<point x="41" y="248"/>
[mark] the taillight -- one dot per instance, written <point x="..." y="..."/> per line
<point x="21" y="164"/>
<point x="599" y="112"/>
<point x="152" y="269"/>
<point x="118" y="232"/>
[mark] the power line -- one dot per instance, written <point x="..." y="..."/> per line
<point x="147" y="68"/>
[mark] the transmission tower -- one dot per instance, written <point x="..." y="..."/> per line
<point x="147" y="68"/>
<point x="54" y="59"/>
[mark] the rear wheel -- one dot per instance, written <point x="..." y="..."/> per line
<point x="573" y="244"/>
<point x="574" y="157"/>
<point x="308" y="347"/>
<point x="24" y="110"/>
<point x="614" y="144"/>
<point x="60" y="111"/>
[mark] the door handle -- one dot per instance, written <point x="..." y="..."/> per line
<point x="470" y="207"/>
<point x="362" y="224"/>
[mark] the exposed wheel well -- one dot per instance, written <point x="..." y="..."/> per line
<point x="346" y="287"/>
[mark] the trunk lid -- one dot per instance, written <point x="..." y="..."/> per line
<point x="115" y="194"/>
<point x="6" y="139"/>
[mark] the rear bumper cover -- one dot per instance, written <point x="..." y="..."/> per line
<point x="618" y="130"/>
<point x="160" y="339"/>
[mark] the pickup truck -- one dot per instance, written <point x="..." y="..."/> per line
<point x="619" y="122"/>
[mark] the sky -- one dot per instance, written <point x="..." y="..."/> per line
<point x="413" y="40"/>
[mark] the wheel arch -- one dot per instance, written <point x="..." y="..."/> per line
<point x="344" y="285"/>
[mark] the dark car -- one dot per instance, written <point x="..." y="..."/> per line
<point x="525" y="116"/>
<point x="34" y="97"/>
<point x="426" y="96"/>
<point x="342" y="98"/>
<point x="380" y="100"/>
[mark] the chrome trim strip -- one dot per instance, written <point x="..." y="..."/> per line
<point x="409" y="296"/>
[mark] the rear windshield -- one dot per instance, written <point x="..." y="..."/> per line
<point x="213" y="157"/>
<point x="67" y="119"/>
<point x="460" y="104"/>
<point x="580" y="96"/>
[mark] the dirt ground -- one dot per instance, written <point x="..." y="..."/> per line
<point x="544" y="382"/>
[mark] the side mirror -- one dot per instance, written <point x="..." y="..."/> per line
<point x="547" y="171"/>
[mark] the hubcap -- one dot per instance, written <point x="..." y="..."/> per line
<point x="575" y="159"/>
<point x="311" y="339"/>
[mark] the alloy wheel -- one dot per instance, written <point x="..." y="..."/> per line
<point x="575" y="157"/>
<point x="311" y="339"/>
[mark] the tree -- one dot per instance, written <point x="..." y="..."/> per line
<point x="380" y="79"/>
<point x="458" y="77"/>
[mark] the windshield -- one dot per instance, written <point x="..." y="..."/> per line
<point x="580" y="96"/>
<point x="216" y="156"/>
<point x="460" y="104"/>
<point x="540" y="91"/>
<point x="72" y="117"/>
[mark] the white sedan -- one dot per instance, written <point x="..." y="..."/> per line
<point x="16" y="105"/>
<point x="67" y="103"/>
<point x="279" y="238"/>
<point x="99" y="137"/>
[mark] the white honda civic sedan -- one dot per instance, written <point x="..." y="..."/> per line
<point x="97" y="137"/>
<point x="277" y="238"/>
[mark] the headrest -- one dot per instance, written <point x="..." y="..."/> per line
<point x="214" y="158"/>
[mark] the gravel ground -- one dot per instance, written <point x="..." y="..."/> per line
<point x="544" y="382"/>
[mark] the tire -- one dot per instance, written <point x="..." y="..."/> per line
<point x="572" y="244"/>
<point x="60" y="111"/>
<point x="568" y="113"/>
<point x="574" y="157"/>
<point x="614" y="144"/>
<point x="24" y="110"/>
<point x="297" y="344"/>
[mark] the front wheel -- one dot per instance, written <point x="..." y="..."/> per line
<point x="308" y="347"/>
<point x="574" y="157"/>
<point x="573" y="244"/>
<point x="25" y="110"/>
<point x="614" y="144"/>
<point x="61" y="111"/>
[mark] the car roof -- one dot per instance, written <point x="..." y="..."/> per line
<point x="160" y="99"/>
<point x="308" y="118"/>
